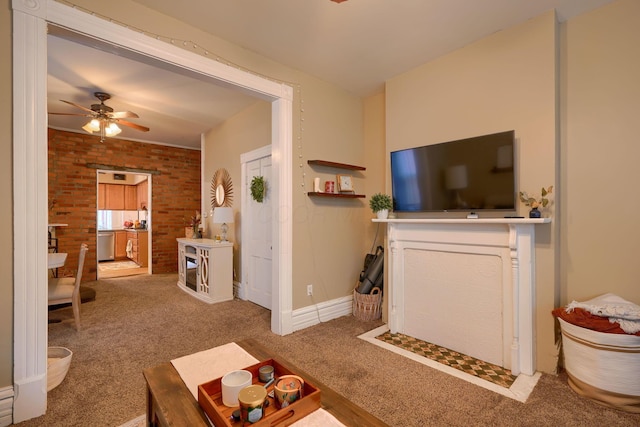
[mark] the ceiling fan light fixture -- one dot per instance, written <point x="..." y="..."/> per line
<point x="104" y="119"/>
<point x="92" y="126"/>
<point x="112" y="130"/>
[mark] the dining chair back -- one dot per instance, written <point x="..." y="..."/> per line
<point x="64" y="290"/>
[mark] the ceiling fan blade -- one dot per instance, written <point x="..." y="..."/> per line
<point x="123" y="114"/>
<point x="133" y="125"/>
<point x="71" y="114"/>
<point x="78" y="106"/>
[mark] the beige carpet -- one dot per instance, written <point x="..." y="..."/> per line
<point x="141" y="321"/>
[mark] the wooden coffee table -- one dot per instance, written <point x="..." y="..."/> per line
<point x="170" y="403"/>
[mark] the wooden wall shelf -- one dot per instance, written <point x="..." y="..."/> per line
<point x="338" y="195"/>
<point x="336" y="165"/>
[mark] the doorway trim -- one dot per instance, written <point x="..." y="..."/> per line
<point x="30" y="212"/>
<point x="148" y="175"/>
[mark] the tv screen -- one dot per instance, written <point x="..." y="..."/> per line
<point x="465" y="175"/>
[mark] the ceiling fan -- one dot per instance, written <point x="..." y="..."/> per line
<point x="103" y="118"/>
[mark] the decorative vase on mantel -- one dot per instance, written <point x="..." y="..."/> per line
<point x="383" y="214"/>
<point x="535" y="213"/>
<point x="188" y="232"/>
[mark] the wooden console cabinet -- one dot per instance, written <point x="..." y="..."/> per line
<point x="205" y="269"/>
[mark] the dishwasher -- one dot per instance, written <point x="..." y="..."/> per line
<point x="106" y="246"/>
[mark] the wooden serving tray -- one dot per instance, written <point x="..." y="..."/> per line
<point x="210" y="399"/>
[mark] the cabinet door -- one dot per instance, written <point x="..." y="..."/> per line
<point x="130" y="197"/>
<point x="102" y="196"/>
<point x="121" y="244"/>
<point x="131" y="235"/>
<point x="143" y="248"/>
<point x="114" y="197"/>
<point x="143" y="195"/>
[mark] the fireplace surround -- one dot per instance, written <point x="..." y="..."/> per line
<point x="466" y="284"/>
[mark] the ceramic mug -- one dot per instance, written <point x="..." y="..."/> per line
<point x="288" y="389"/>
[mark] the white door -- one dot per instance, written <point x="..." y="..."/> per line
<point x="259" y="244"/>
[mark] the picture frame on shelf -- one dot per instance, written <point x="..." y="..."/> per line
<point x="345" y="183"/>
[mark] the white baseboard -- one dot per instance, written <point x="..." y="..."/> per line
<point x="322" y="312"/>
<point x="6" y="406"/>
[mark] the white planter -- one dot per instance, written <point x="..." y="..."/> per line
<point x="58" y="362"/>
<point x="383" y="214"/>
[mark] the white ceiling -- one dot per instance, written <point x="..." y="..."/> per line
<point x="357" y="45"/>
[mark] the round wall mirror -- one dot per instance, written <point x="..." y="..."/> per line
<point x="221" y="189"/>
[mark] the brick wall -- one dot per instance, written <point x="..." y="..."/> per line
<point x="73" y="189"/>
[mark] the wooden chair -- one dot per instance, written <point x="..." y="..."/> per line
<point x="65" y="290"/>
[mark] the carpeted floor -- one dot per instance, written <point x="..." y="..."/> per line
<point x="141" y="321"/>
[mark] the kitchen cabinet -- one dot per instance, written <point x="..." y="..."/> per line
<point x="102" y="196"/>
<point x="117" y="197"/>
<point x="130" y="198"/>
<point x="139" y="247"/>
<point x="143" y="194"/>
<point x="121" y="244"/>
<point x="205" y="269"/>
<point x="114" y="199"/>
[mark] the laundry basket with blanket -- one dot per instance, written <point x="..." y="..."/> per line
<point x="601" y="346"/>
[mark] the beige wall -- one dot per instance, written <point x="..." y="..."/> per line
<point x="376" y="160"/>
<point x="6" y="216"/>
<point x="246" y="131"/>
<point x="502" y="82"/>
<point x="327" y="233"/>
<point x="600" y="151"/>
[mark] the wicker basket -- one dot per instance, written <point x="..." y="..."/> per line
<point x="367" y="306"/>
<point x="58" y="362"/>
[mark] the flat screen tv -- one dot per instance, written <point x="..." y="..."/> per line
<point x="472" y="174"/>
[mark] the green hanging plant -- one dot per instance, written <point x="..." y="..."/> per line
<point x="258" y="188"/>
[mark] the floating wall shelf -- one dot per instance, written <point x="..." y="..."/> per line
<point x="337" y="166"/>
<point x="342" y="195"/>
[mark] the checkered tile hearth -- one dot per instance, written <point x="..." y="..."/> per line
<point x="462" y="362"/>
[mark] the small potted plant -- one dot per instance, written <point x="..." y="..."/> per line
<point x="380" y="204"/>
<point x="535" y="202"/>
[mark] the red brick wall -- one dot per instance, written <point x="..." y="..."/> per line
<point x="73" y="189"/>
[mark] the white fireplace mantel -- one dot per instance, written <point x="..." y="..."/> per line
<point x="467" y="282"/>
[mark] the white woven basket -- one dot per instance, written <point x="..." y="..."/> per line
<point x="58" y="362"/>
<point x="602" y="366"/>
